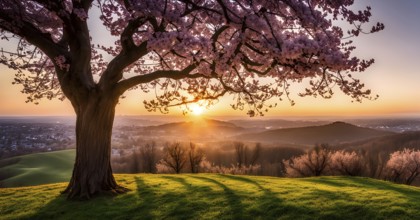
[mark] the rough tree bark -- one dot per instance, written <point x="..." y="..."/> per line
<point x="92" y="172"/>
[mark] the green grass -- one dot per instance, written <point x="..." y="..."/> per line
<point x="35" y="169"/>
<point x="213" y="196"/>
<point x="203" y="196"/>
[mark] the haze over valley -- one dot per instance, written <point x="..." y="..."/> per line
<point x="21" y="135"/>
<point x="277" y="139"/>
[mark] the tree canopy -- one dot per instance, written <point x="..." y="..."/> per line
<point x="183" y="50"/>
<point x="186" y="50"/>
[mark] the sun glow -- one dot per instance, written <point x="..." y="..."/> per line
<point x="197" y="109"/>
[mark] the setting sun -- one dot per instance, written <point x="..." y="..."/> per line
<point x="197" y="109"/>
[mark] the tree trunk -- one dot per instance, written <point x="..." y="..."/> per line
<point x="92" y="172"/>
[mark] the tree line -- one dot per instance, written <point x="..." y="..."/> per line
<point x="401" y="166"/>
<point x="177" y="157"/>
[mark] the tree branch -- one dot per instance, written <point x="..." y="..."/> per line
<point x="129" y="54"/>
<point x="34" y="36"/>
<point x="126" y="84"/>
<point x="79" y="44"/>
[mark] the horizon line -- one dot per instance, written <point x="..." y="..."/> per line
<point x="295" y="117"/>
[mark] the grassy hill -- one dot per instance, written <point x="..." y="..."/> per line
<point x="35" y="169"/>
<point x="213" y="196"/>
<point x="334" y="133"/>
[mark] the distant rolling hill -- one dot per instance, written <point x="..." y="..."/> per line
<point x="275" y="123"/>
<point x="387" y="144"/>
<point x="35" y="169"/>
<point x="334" y="133"/>
<point x="199" y="128"/>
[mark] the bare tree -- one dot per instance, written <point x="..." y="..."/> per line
<point x="256" y="152"/>
<point x="240" y="152"/>
<point x="135" y="163"/>
<point x="195" y="156"/>
<point x="175" y="156"/>
<point x="148" y="157"/>
<point x="243" y="155"/>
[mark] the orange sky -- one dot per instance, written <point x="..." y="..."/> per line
<point x="395" y="76"/>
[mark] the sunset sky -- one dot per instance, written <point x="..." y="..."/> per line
<point x="395" y="76"/>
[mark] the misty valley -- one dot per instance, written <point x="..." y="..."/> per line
<point x="268" y="147"/>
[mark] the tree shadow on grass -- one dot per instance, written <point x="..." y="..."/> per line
<point x="147" y="195"/>
<point x="99" y="207"/>
<point x="355" y="208"/>
<point x="236" y="208"/>
<point x="401" y="188"/>
<point x="146" y="202"/>
<point x="338" y="204"/>
<point x="149" y="201"/>
<point x="367" y="183"/>
<point x="188" y="186"/>
<point x="131" y="205"/>
<point x="269" y="204"/>
<point x="327" y="181"/>
<point x="411" y="194"/>
<point x="181" y="197"/>
<point x="184" y="204"/>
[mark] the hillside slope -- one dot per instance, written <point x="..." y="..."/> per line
<point x="35" y="169"/>
<point x="334" y="133"/>
<point x="212" y="196"/>
<point x="387" y="144"/>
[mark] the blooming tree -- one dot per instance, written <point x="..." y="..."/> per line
<point x="347" y="163"/>
<point x="313" y="163"/>
<point x="207" y="167"/>
<point x="403" y="166"/>
<point x="185" y="50"/>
